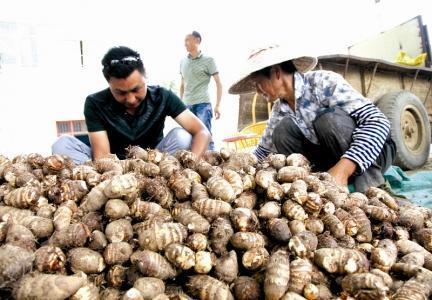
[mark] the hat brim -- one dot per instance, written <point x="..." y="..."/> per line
<point x="246" y="85"/>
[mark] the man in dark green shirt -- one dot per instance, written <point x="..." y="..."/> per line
<point x="131" y="113"/>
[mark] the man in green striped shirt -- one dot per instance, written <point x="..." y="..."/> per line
<point x="196" y="70"/>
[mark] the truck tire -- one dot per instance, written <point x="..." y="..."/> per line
<point x="410" y="128"/>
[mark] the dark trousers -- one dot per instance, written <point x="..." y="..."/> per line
<point x="334" y="129"/>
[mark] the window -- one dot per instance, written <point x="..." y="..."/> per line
<point x="77" y="126"/>
<point x="73" y="127"/>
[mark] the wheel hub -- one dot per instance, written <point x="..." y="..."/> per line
<point x="411" y="128"/>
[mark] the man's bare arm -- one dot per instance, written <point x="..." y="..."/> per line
<point x="181" y="88"/>
<point x="200" y="134"/>
<point x="99" y="143"/>
<point x="218" y="95"/>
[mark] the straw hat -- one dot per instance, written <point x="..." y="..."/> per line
<point x="265" y="57"/>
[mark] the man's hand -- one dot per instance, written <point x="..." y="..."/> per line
<point x="217" y="112"/>
<point x="342" y="171"/>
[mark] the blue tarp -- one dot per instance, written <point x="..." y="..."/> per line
<point x="417" y="187"/>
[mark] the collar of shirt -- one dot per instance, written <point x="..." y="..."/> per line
<point x="198" y="56"/>
<point x="299" y="85"/>
<point x="120" y="109"/>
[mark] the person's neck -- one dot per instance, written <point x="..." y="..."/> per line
<point x="194" y="53"/>
<point x="288" y="94"/>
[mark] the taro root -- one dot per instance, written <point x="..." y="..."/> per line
<point x="219" y="226"/>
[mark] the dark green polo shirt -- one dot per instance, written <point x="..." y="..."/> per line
<point x="145" y="129"/>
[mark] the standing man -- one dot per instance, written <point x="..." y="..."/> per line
<point x="196" y="70"/>
<point x="130" y="112"/>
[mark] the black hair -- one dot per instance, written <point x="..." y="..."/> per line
<point x="286" y="66"/>
<point x="196" y="35"/>
<point x="120" y="62"/>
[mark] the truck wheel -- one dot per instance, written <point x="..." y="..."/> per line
<point x="410" y="128"/>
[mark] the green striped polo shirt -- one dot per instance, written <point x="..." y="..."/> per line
<point x="196" y="73"/>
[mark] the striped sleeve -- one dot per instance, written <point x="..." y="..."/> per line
<point x="368" y="137"/>
<point x="261" y="153"/>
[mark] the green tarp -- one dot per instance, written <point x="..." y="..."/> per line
<point x="417" y="187"/>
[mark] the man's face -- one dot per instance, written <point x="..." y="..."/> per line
<point x="129" y="91"/>
<point x="191" y="43"/>
<point x="267" y="87"/>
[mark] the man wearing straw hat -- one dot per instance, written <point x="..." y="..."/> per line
<point x="320" y="115"/>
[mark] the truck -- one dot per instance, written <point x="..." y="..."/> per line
<point x="402" y="92"/>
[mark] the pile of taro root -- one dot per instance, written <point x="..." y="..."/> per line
<point x="157" y="226"/>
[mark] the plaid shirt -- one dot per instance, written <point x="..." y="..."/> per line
<point x="318" y="90"/>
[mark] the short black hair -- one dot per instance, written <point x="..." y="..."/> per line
<point x="120" y="62"/>
<point x="286" y="66"/>
<point x="196" y="35"/>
